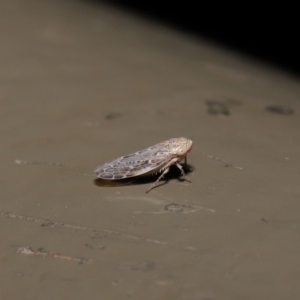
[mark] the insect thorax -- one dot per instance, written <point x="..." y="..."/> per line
<point x="179" y="146"/>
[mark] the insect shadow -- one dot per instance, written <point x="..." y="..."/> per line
<point x="174" y="173"/>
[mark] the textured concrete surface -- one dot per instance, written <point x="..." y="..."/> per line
<point x="81" y="84"/>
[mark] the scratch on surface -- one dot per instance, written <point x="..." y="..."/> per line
<point x="216" y="158"/>
<point x="47" y="222"/>
<point x="42" y="252"/>
<point x="179" y="207"/>
<point x="33" y="162"/>
<point x="48" y="163"/>
<point x="136" y="198"/>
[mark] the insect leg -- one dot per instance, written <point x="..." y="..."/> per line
<point x="159" y="178"/>
<point x="182" y="172"/>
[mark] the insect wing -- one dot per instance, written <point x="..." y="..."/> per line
<point x="135" y="164"/>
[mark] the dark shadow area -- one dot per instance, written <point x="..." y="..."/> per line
<point x="174" y="173"/>
<point x="269" y="35"/>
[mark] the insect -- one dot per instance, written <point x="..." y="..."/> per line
<point x="152" y="160"/>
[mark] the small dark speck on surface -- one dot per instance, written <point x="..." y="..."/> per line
<point x="264" y="220"/>
<point x="112" y="116"/>
<point x="217" y="107"/>
<point x="280" y="109"/>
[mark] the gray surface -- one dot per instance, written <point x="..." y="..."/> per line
<point x="82" y="84"/>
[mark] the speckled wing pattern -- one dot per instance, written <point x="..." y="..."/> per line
<point x="155" y="159"/>
<point x="152" y="159"/>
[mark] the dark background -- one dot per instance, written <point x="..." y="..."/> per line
<point x="267" y="33"/>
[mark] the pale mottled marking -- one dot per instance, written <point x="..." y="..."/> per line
<point x="152" y="160"/>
